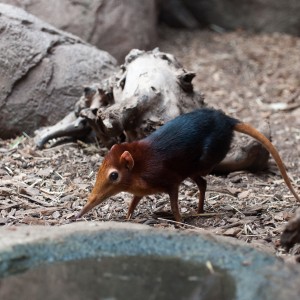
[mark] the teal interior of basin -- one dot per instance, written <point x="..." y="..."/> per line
<point x="126" y="277"/>
<point x="123" y="277"/>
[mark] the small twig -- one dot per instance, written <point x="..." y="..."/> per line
<point x="36" y="182"/>
<point x="214" y="197"/>
<point x="236" y="224"/>
<point x="255" y="235"/>
<point x="50" y="193"/>
<point x="8" y="170"/>
<point x="220" y="191"/>
<point x="235" y="209"/>
<point x="26" y="135"/>
<point x="43" y="203"/>
<point x="205" y="215"/>
<point x="97" y="143"/>
<point x="7" y="206"/>
<point x="42" y="158"/>
<point x="259" y="198"/>
<point x="247" y="228"/>
<point x="178" y="223"/>
<point x="16" y="142"/>
<point x="59" y="175"/>
<point x="289" y="196"/>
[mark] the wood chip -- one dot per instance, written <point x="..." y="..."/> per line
<point x="45" y="172"/>
<point x="56" y="215"/>
<point x="5" y="191"/>
<point x="3" y="221"/>
<point x="29" y="191"/>
<point x="232" y="231"/>
<point x="243" y="195"/>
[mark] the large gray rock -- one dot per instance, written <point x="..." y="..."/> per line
<point x="254" y="15"/>
<point x="112" y="25"/>
<point x="42" y="71"/>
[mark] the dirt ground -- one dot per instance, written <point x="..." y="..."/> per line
<point x="252" y="77"/>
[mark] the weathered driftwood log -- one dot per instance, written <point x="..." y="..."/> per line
<point x="150" y="89"/>
<point x="250" y="156"/>
<point x="70" y="125"/>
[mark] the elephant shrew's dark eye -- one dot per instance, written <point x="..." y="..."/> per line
<point x="113" y="176"/>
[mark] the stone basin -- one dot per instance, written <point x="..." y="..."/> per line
<point x="112" y="261"/>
